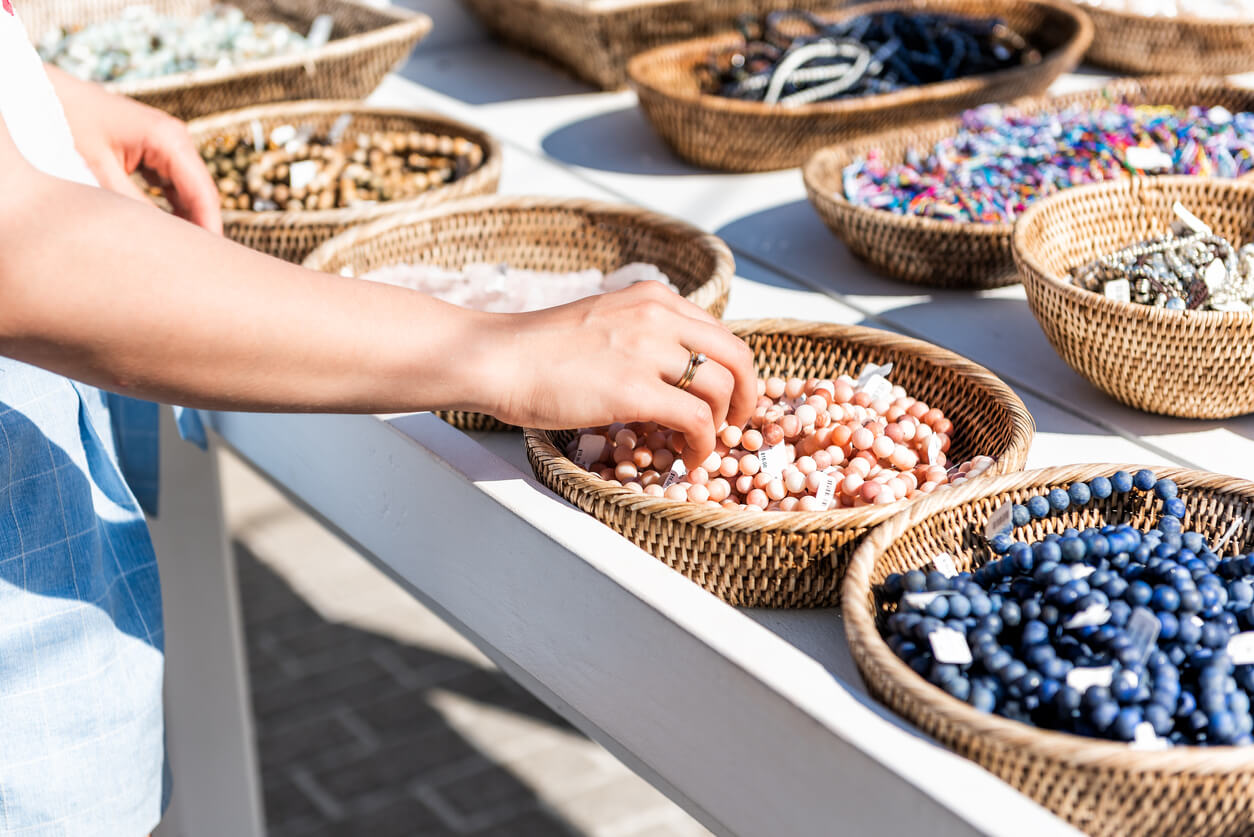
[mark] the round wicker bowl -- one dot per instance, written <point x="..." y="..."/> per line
<point x="795" y="559"/>
<point x="1101" y="787"/>
<point x="1192" y="364"/>
<point x="722" y="133"/>
<point x="536" y="233"/>
<point x="1132" y="43"/>
<point x="293" y="235"/>
<point x="952" y="254"/>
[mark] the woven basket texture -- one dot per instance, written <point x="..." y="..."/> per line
<point x="293" y="235"/>
<point x="1192" y="364"/>
<point x="795" y="559"/>
<point x="951" y="254"/>
<point x="723" y="133"/>
<point x="594" y="39"/>
<point x="1101" y="787"/>
<point x="1132" y="43"/>
<point x="367" y="42"/>
<point x="531" y="233"/>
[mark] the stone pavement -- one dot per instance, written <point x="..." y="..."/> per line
<point x="375" y="718"/>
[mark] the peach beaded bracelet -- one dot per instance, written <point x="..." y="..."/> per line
<point x="811" y="445"/>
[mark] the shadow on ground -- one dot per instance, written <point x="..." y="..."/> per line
<point x="350" y="742"/>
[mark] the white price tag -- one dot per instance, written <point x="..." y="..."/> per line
<point x="590" y="449"/>
<point x="1082" y="571"/>
<point x="877" y="387"/>
<point x="1081" y="679"/>
<point x="1120" y="290"/>
<point x="773" y="460"/>
<point x="677" y="472"/>
<point x="338" y="127"/>
<point x="1219" y="114"/>
<point x="1143" y="628"/>
<point x="869" y="371"/>
<point x="933" y="449"/>
<point x="920" y="601"/>
<point x="1191" y="221"/>
<point x="827" y="491"/>
<point x="259" y="135"/>
<point x="1215" y="276"/>
<point x="320" y="31"/>
<point x="283" y="134"/>
<point x="1147" y="159"/>
<point x="1241" y="648"/>
<point x="999" y="522"/>
<point x="950" y="646"/>
<point x="944" y="564"/>
<point x="1090" y="617"/>
<point x="302" y="173"/>
<point x="1144" y="738"/>
<point x="1232" y="530"/>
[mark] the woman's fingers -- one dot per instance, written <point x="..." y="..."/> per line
<point x="730" y="352"/>
<point x="711" y="382"/>
<point x="682" y="411"/>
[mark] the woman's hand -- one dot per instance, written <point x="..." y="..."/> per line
<point x="116" y="135"/>
<point x="617" y="357"/>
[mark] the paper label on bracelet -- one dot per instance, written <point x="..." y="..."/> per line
<point x="1143" y="627"/>
<point x="944" y="564"/>
<point x="283" y="134"/>
<point x="1120" y="290"/>
<point x="934" y="446"/>
<point x="302" y="173"/>
<point x="1091" y="617"/>
<point x="590" y="449"/>
<point x="920" y="601"/>
<point x="869" y="371"/>
<point x="338" y="127"/>
<point x="877" y="387"/>
<point x="1241" y="648"/>
<point x="259" y="135"/>
<point x="1081" y="679"/>
<point x="1191" y="221"/>
<point x="1144" y="738"/>
<point x="1147" y="159"/>
<point x="950" y="646"/>
<point x="773" y="460"/>
<point x="320" y="31"/>
<point x="827" y="491"/>
<point x="999" y="522"/>
<point x="677" y="472"/>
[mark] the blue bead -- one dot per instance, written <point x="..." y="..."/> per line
<point x="1012" y="672"/>
<point x="1056" y="668"/>
<point x="1020" y="516"/>
<point x="1104" y="714"/>
<point x="1191" y="601"/>
<point x="1001" y="543"/>
<point x="1214" y="635"/>
<point x="1067" y="700"/>
<point x="1139" y="593"/>
<point x="1165" y="489"/>
<point x="1010" y="614"/>
<point x="1144" y="480"/>
<point x="1124" y="686"/>
<point x="1121" y="481"/>
<point x="1079" y="493"/>
<point x="942" y="673"/>
<point x="1186" y="705"/>
<point x="1038" y="507"/>
<point x="982" y="699"/>
<point x="1047" y="551"/>
<point x="1035" y="632"/>
<point x="914" y="581"/>
<point x="1059" y="499"/>
<point x="1175" y="507"/>
<point x="959" y="688"/>
<point x="1124" y="727"/>
<point x="1165" y="598"/>
<point x="1095" y="695"/>
<point x="1221" y="726"/>
<point x="1170" y="525"/>
<point x="1168" y="625"/>
<point x="1101" y="487"/>
<point x="1192" y="541"/>
<point x="1021" y="556"/>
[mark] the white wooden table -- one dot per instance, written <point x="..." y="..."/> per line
<point x="755" y="721"/>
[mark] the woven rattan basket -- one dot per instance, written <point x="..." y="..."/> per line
<point x="722" y="133"/>
<point x="1193" y="364"/>
<point x="1101" y="787"/>
<point x="795" y="559"/>
<point x="1132" y="43"/>
<point x="367" y="42"/>
<point x="595" y="38"/>
<point x="533" y="233"/>
<point x="293" y="235"/>
<point x="966" y="255"/>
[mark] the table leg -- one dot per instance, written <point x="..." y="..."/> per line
<point x="209" y="730"/>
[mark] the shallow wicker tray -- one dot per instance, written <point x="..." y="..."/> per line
<point x="1101" y="787"/>
<point x="1133" y="43"/>
<point x="534" y="233"/>
<point x="966" y="255"/>
<point x="595" y="38"/>
<point x="1193" y="364"/>
<point x="367" y="42"/>
<point x="723" y="133"/>
<point x="293" y="235"/>
<point x="795" y="559"/>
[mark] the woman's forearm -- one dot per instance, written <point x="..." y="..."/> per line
<point x="120" y="295"/>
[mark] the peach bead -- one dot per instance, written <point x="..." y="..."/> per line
<point x="932" y="417"/>
<point x="880" y="406"/>
<point x="678" y="491"/>
<point x="762" y="479"/>
<point x="893" y="431"/>
<point x="642" y="458"/>
<point x="904" y="458"/>
<point x="654" y="490"/>
<point x="649" y="477"/>
<point x="908" y="430"/>
<point x="615" y="483"/>
<point x="897" y="487"/>
<point x="894" y="413"/>
<point x="759" y="416"/>
<point x="776" y="490"/>
<point x="773" y="414"/>
<point x="744" y="484"/>
<point x="634" y="487"/>
<point x="918" y="409"/>
<point x="788" y="504"/>
<point x="813" y="480"/>
<point x="928" y="487"/>
<point x="751" y="440"/>
<point x="720" y="489"/>
<point x="842" y="392"/>
<point x="837" y="455"/>
<point x="883" y="447"/>
<point x="817" y="402"/>
<point x="613" y="429"/>
<point x="761" y="388"/>
<point x="790" y="425"/>
<point x="862" y="399"/>
<point x="606" y="473"/>
<point x="626" y="471"/>
<point x="757" y="497"/>
<point x="712" y="462"/>
<point x="808" y="503"/>
<point x="676" y="443"/>
<point x="944" y="426"/>
<point x="730" y="504"/>
<point x="922" y="432"/>
<point x="794" y="388"/>
<point x="822" y="459"/>
<point x="730" y="436"/>
<point x="841" y="434"/>
<point x="655" y="440"/>
<point x="698" y="494"/>
<point x="625" y="438"/>
<point x="621" y="453"/>
<point x="806" y="464"/>
<point x="750" y="464"/>
<point x="911" y="482"/>
<point x="884" y="498"/>
<point x="663" y="459"/>
<point x="775" y="387"/>
<point x="729" y="467"/>
<point x="862" y="438"/>
<point x="822" y="419"/>
<point x="795" y="480"/>
<point x="773" y="434"/>
<point x="698" y="476"/>
<point x="870" y="490"/>
<point x="859" y="466"/>
<point x="807" y="446"/>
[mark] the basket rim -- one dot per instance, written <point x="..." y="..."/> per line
<point x="539" y="443"/>
<point x="1134" y="19"/>
<point x="864" y="638"/>
<point x="489" y="170"/>
<point x="820" y="191"/>
<point x="724" y="262"/>
<point x="405" y="24"/>
<point x="1057" y="61"/>
<point x="1036" y="276"/>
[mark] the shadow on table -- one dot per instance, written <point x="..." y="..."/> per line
<point x="349" y="740"/>
<point x="487" y="73"/>
<point x="617" y="141"/>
